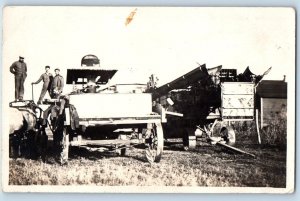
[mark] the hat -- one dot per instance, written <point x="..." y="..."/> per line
<point x="47" y="67"/>
<point x="20" y="57"/>
<point x="56" y="69"/>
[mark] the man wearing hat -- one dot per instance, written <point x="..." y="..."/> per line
<point x="57" y="84"/>
<point x="47" y="79"/>
<point x="19" y="69"/>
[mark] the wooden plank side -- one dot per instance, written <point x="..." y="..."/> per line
<point x="237" y="112"/>
<point x="237" y="88"/>
<point x="238" y="101"/>
<point x="112" y="105"/>
<point x="273" y="108"/>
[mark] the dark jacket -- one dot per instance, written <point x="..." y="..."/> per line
<point x="18" y="68"/>
<point x="47" y="78"/>
<point x="58" y="83"/>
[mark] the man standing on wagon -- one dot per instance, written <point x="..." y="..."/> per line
<point x="47" y="78"/>
<point x="19" y="69"/>
<point x="56" y="90"/>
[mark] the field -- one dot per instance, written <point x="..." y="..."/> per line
<point x="207" y="165"/>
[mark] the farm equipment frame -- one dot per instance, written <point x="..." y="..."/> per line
<point x="209" y="99"/>
<point x="99" y="118"/>
<point x="102" y="117"/>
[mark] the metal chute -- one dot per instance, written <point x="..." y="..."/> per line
<point x="83" y="76"/>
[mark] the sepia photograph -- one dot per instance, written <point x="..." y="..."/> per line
<point x="148" y="99"/>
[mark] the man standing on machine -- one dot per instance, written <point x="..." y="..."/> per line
<point x="58" y="84"/>
<point x="19" y="69"/>
<point x="47" y="78"/>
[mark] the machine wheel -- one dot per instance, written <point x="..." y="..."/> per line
<point x="123" y="151"/>
<point x="189" y="140"/>
<point x="154" y="142"/>
<point x="64" y="151"/>
<point x="223" y="131"/>
<point x="228" y="134"/>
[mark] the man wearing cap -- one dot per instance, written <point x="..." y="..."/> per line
<point x="47" y="79"/>
<point x="19" y="69"/>
<point x="57" y="84"/>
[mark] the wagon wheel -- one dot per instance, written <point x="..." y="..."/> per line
<point x="64" y="152"/>
<point x="228" y="134"/>
<point x="154" y="142"/>
<point x="223" y="131"/>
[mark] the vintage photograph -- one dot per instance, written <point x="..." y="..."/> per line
<point x="148" y="99"/>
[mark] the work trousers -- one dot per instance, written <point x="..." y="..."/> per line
<point x="19" y="86"/>
<point x="44" y="91"/>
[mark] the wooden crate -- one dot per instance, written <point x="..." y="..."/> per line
<point x="237" y="101"/>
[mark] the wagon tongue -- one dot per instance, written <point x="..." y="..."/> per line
<point x="83" y="76"/>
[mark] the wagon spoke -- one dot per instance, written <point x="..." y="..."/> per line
<point x="154" y="144"/>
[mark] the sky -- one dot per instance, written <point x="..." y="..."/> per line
<point x="167" y="42"/>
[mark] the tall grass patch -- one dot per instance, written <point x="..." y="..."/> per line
<point x="273" y="133"/>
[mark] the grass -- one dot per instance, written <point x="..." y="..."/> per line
<point x="274" y="134"/>
<point x="205" y="166"/>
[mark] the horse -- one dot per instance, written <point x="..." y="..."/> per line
<point x="26" y="137"/>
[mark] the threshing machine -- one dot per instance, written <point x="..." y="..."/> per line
<point x="209" y="99"/>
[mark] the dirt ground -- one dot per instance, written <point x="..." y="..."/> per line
<point x="207" y="165"/>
